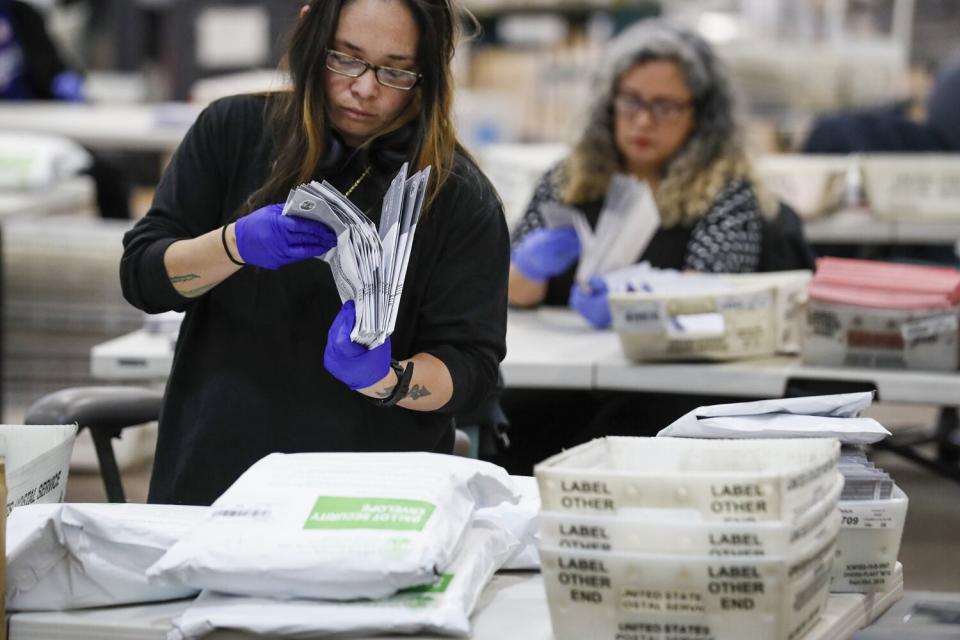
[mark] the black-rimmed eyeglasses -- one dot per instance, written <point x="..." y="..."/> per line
<point x="659" y="109"/>
<point x="347" y="65"/>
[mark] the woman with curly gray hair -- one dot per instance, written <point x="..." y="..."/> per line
<point x="663" y="112"/>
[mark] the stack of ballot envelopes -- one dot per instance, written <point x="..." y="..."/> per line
<point x="368" y="264"/>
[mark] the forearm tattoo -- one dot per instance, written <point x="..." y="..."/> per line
<point x="415" y="392"/>
<point x="189" y="293"/>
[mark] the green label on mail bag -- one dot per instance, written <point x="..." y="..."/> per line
<point x="338" y="512"/>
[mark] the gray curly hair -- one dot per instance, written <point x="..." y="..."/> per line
<point x="711" y="156"/>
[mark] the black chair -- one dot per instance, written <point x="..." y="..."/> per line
<point x="783" y="244"/>
<point x="485" y="426"/>
<point x="106" y="411"/>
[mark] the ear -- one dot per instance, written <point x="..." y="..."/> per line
<point x="304" y="10"/>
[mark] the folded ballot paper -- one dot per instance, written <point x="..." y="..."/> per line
<point x="72" y="556"/>
<point x="368" y="264"/>
<point x="336" y="525"/>
<point x="627" y="222"/>
<point x="830" y="416"/>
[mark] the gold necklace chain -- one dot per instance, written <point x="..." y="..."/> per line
<point x="357" y="183"/>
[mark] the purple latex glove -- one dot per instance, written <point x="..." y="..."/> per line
<point x="544" y="253"/>
<point x="67" y="86"/>
<point x="267" y="238"/>
<point x="592" y="302"/>
<point x="351" y="363"/>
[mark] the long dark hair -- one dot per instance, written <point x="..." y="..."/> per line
<point x="297" y="118"/>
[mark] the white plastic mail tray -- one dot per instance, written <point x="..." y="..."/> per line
<point x="842" y="335"/>
<point x="37" y="462"/>
<point x="868" y="544"/>
<point x="739" y="323"/>
<point x="790" y="291"/>
<point x="731" y="480"/>
<point x="812" y="184"/>
<point x="685" y="532"/>
<point x="598" y="594"/>
<point x="913" y="186"/>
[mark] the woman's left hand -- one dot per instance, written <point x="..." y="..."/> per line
<point x="68" y="86"/>
<point x="351" y="363"/>
<point x="592" y="302"/>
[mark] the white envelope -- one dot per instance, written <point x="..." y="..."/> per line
<point x="834" y="415"/>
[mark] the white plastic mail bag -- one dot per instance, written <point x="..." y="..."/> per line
<point x="443" y="607"/>
<point x="34" y="161"/>
<point x="336" y="525"/>
<point x="522" y="520"/>
<point x="829" y="416"/>
<point x="70" y="556"/>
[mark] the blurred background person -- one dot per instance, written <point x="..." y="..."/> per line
<point x="891" y="128"/>
<point x="662" y="111"/>
<point x="32" y="68"/>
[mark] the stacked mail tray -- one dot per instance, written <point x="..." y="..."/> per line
<point x="863" y="313"/>
<point x="689" y="538"/>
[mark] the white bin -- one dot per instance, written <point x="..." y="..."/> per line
<point x="868" y="543"/>
<point x="913" y="187"/>
<point x="813" y="184"/>
<point x="651" y="326"/>
<point x="843" y="335"/>
<point x="37" y="462"/>
<point x="685" y="532"/>
<point x="732" y="480"/>
<point x="604" y="595"/>
<point x="790" y="291"/>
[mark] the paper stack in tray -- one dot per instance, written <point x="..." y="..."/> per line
<point x="873" y="508"/>
<point x="368" y="264"/>
<point x="689" y="538"/>
<point x="877" y="314"/>
<point x="863" y="480"/>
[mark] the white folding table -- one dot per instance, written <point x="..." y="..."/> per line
<point x="556" y="349"/>
<point x="513" y="606"/>
<point x="156" y="127"/>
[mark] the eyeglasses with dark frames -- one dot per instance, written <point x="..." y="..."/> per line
<point x="347" y="65"/>
<point x="659" y="109"/>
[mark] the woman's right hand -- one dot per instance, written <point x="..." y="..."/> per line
<point x="266" y="238"/>
<point x="545" y="253"/>
<point x="591" y="302"/>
